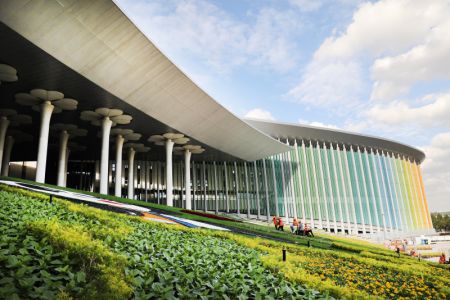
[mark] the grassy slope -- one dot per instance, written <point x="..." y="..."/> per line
<point x="343" y="244"/>
<point x="340" y="271"/>
<point x="64" y="250"/>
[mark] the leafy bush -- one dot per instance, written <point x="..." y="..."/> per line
<point x="64" y="250"/>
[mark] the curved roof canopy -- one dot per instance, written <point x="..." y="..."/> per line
<point x="294" y="131"/>
<point x="96" y="40"/>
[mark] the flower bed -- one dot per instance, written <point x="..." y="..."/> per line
<point x="211" y="216"/>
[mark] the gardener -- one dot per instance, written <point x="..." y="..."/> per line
<point x="300" y="229"/>
<point x="442" y="259"/>
<point x="308" y="231"/>
<point x="275" y="222"/>
<point x="294" y="226"/>
<point x="280" y="224"/>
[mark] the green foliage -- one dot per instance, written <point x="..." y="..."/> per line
<point x="441" y="221"/>
<point x="170" y="262"/>
<point x="85" y="253"/>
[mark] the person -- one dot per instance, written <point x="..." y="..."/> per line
<point x="280" y="224"/>
<point x="300" y="228"/>
<point x="398" y="251"/>
<point x="275" y="222"/>
<point x="294" y="226"/>
<point x="442" y="259"/>
<point x="308" y="231"/>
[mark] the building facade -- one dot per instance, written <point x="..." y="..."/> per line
<point x="89" y="102"/>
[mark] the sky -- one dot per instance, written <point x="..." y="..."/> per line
<point x="373" y="67"/>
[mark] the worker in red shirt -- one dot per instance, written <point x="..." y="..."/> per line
<point x="275" y="222"/>
<point x="280" y="224"/>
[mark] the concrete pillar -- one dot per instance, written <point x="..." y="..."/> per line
<point x="4" y="123"/>
<point x="7" y="155"/>
<point x="227" y="199"/>
<point x="169" y="177"/>
<point x="247" y="194"/>
<point x="66" y="162"/>
<point x="131" y="154"/>
<point x="46" y="114"/>
<point x="258" y="205"/>
<point x="63" y="139"/>
<point x="216" y="198"/>
<point x="187" y="176"/>
<point x="119" y="147"/>
<point x="266" y="190"/>
<point x="106" y="129"/>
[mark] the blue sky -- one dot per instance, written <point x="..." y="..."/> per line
<point x="378" y="67"/>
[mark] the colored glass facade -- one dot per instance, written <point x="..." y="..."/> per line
<point x="337" y="188"/>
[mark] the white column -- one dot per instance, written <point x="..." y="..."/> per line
<point x="266" y="189"/>
<point x="344" y="189"/>
<point x="187" y="176"/>
<point x="66" y="162"/>
<point x="63" y="139"/>
<point x="324" y="193"/>
<point x="349" y="184"/>
<point x="402" y="225"/>
<point x="119" y="147"/>
<point x="337" y="185"/>
<point x="216" y="198"/>
<point x="258" y="205"/>
<point x="363" y="177"/>
<point x="106" y="128"/>
<point x="372" y="190"/>
<point x="158" y="181"/>
<point x="385" y="193"/>
<point x="291" y="182"/>
<point x="169" y="177"/>
<point x="330" y="189"/>
<point x="406" y="189"/>
<point x="358" y="191"/>
<point x="277" y="212"/>
<point x="227" y="199"/>
<point x="7" y="155"/>
<point x="46" y="114"/>
<point x="194" y="186"/>
<point x="300" y="183"/>
<point x="383" y="216"/>
<point x="413" y="194"/>
<point x="283" y="182"/>
<point x="236" y="178"/>
<point x="131" y="154"/>
<point x="308" y="189"/>
<point x="391" y="194"/>
<point x="4" y="123"/>
<point x="316" y="185"/>
<point x="246" y="190"/>
<point x="422" y="196"/>
<point x="205" y="206"/>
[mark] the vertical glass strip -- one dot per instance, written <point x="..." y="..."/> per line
<point x="330" y="184"/>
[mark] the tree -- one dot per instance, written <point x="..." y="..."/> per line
<point x="441" y="221"/>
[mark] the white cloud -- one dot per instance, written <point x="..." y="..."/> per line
<point x="318" y="124"/>
<point x="331" y="85"/>
<point x="384" y="27"/>
<point x="432" y="114"/>
<point x="403" y="40"/>
<point x="425" y="62"/>
<point x="259" y="113"/>
<point x="201" y="29"/>
<point x="436" y="172"/>
<point x="307" y="5"/>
